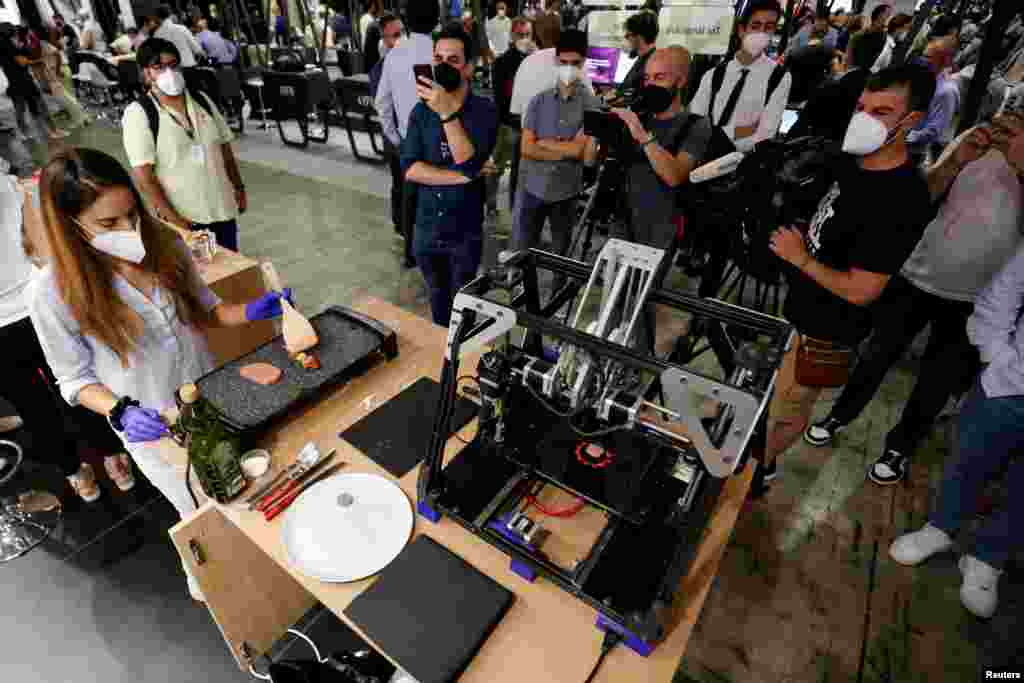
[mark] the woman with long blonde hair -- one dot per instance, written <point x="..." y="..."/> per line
<point x="120" y="309"/>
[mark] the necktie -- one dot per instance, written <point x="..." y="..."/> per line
<point x="734" y="97"/>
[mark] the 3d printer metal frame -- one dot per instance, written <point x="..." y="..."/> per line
<point x="479" y="319"/>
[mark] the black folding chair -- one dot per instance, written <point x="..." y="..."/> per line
<point x="352" y="94"/>
<point x="300" y="97"/>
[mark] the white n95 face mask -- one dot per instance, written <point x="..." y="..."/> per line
<point x="866" y="135"/>
<point x="754" y="44"/>
<point x="568" y="74"/>
<point x="171" y="82"/>
<point x="123" y="244"/>
<point x="526" y="46"/>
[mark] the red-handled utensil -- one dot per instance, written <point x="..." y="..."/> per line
<point x="290" y="485"/>
<point x="283" y="503"/>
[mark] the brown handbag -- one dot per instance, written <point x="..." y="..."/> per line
<point x="821" y="363"/>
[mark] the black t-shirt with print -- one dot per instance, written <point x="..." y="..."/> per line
<point x="870" y="220"/>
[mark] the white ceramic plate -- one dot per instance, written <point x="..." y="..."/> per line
<point x="347" y="527"/>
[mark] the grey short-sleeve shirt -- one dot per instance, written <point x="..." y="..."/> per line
<point x="652" y="202"/>
<point x="550" y="116"/>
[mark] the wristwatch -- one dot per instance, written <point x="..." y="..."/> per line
<point x="452" y="117"/>
<point x="117" y="412"/>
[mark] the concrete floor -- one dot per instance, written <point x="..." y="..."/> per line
<point x="806" y="591"/>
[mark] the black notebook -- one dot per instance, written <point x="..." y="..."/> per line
<point x="397" y="434"/>
<point x="431" y="611"/>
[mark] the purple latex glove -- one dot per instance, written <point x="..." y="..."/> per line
<point x="143" y="424"/>
<point x="267" y="306"/>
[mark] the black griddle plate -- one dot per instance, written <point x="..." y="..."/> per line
<point x="347" y="340"/>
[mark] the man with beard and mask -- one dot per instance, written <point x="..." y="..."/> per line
<point x="747" y="96"/>
<point x="554" y="150"/>
<point x="451" y="135"/>
<point x="504" y="75"/>
<point x="185" y="168"/>
<point x="396" y="97"/>
<point x="641" y="34"/>
<point x="976" y="230"/>
<point x="850" y="251"/>
<point x="669" y="143"/>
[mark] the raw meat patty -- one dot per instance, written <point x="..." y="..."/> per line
<point x="260" y="373"/>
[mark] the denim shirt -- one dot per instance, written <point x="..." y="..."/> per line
<point x="450" y="212"/>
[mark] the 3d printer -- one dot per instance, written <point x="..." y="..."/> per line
<point x="573" y="404"/>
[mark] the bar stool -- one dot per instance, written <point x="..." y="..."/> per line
<point x="29" y="519"/>
<point x="256" y="82"/>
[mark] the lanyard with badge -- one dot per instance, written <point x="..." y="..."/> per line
<point x="197" y="150"/>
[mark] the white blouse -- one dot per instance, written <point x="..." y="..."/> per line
<point x="169" y="354"/>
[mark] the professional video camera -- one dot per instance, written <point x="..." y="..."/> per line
<point x="780" y="182"/>
<point x="609" y="128"/>
<point x="733" y="205"/>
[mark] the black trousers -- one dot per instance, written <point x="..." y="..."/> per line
<point x="52" y="429"/>
<point x="949" y="365"/>
<point x="392" y="154"/>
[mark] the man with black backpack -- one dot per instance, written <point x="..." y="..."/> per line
<point x="190" y="179"/>
<point x="747" y="95"/>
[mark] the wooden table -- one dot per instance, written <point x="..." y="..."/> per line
<point x="547" y="635"/>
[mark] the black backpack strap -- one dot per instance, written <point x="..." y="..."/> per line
<point x="778" y="73"/>
<point x="203" y="100"/>
<point x="152" y="113"/>
<point x="717" y="78"/>
<point x="684" y="130"/>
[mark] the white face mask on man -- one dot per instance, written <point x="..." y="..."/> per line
<point x="755" y="43"/>
<point x="526" y="46"/>
<point x="568" y="74"/>
<point x="171" y="82"/>
<point x="126" y="245"/>
<point x="866" y="134"/>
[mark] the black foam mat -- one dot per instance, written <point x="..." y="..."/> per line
<point x="397" y="434"/>
<point x="431" y="611"/>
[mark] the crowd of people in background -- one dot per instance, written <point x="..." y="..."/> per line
<point x="920" y="227"/>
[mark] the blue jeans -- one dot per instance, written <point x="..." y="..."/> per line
<point x="225" y="231"/>
<point x="447" y="266"/>
<point x="990" y="434"/>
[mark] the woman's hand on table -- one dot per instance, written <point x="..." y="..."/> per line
<point x="267" y="306"/>
<point x="143" y="424"/>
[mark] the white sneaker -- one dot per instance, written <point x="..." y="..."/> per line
<point x="918" y="546"/>
<point x="978" y="593"/>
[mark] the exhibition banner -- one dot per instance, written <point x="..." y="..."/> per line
<point x="607" y="28"/>
<point x="701" y="29"/>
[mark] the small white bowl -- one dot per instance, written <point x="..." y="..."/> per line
<point x="255" y="463"/>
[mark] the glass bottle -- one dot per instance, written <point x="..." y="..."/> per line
<point x="212" y="450"/>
